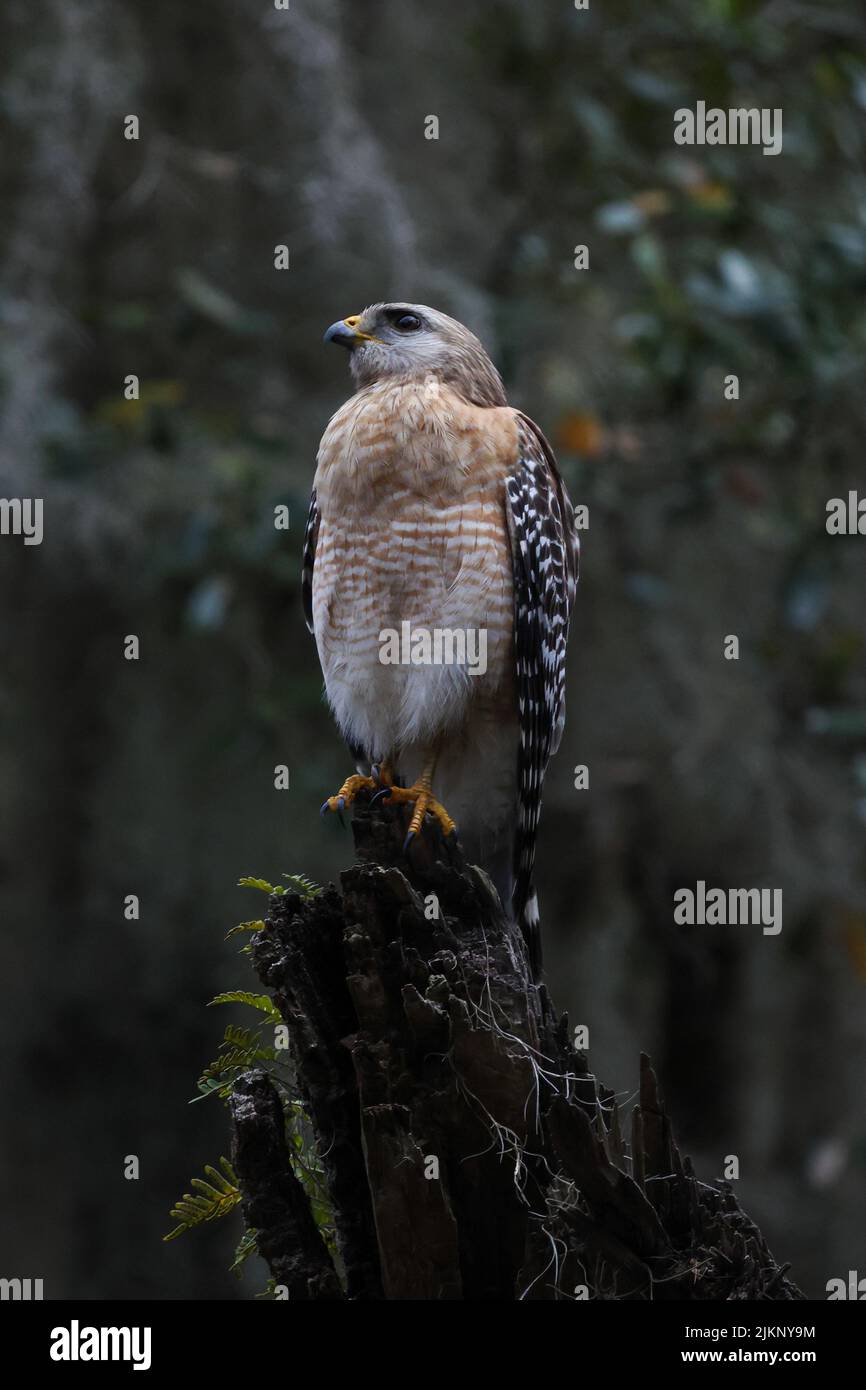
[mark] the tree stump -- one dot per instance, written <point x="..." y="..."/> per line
<point x="469" y="1151"/>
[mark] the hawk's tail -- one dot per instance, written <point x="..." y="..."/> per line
<point x="515" y="888"/>
<point x="530" y="925"/>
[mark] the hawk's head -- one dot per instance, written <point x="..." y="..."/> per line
<point x="412" y="341"/>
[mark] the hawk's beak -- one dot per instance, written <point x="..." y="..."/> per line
<point x="347" y="334"/>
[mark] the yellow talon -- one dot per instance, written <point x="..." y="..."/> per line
<point x="424" y="801"/>
<point x="347" y="793"/>
<point x="382" y="777"/>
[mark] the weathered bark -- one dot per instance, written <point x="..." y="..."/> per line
<point x="275" y="1203"/>
<point x="470" y="1152"/>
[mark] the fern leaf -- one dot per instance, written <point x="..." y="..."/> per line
<point x="308" y="1169"/>
<point x="235" y="1059"/>
<point x="208" y="1086"/>
<point x="240" y="1049"/>
<point x="303" y="886"/>
<point x="215" y="1199"/>
<point x="262" y="1002"/>
<point x="235" y="1036"/>
<point x="244" y="927"/>
<point x="260" y="883"/>
<point x="246" y="1246"/>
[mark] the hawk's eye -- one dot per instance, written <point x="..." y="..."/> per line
<point x="407" y="323"/>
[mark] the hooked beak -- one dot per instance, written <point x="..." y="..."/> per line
<point x="347" y="334"/>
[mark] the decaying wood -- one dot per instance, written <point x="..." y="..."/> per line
<point x="275" y="1203"/>
<point x="469" y="1151"/>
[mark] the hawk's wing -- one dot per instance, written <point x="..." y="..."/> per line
<point x="311" y="536"/>
<point x="545" y="550"/>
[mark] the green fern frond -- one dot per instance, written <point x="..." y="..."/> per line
<point x="211" y="1086"/>
<point x="309" y="1170"/>
<point x="260" y="883"/>
<point x="217" y="1193"/>
<point x="246" y="1246"/>
<point x="303" y="886"/>
<point x="214" y="1199"/>
<point x="235" y="1059"/>
<point x="262" y="1002"/>
<point x="244" y="927"/>
<point x="241" y="1058"/>
<point x="235" y="1036"/>
<point x="240" y="1049"/>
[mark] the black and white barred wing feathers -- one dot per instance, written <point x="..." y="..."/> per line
<point x="545" y="563"/>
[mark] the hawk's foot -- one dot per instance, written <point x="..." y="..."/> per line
<point x="425" y="804"/>
<point x="380" y="780"/>
<point x="347" y="793"/>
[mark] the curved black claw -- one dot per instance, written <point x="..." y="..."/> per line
<point x="451" y="845"/>
<point x="339" y="808"/>
<point x="384" y="792"/>
<point x="408" y="840"/>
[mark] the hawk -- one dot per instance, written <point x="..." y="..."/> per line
<point x="438" y="508"/>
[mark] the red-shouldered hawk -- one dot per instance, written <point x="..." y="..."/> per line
<point x="437" y="508"/>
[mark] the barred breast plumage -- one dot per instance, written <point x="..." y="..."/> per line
<point x="410" y="488"/>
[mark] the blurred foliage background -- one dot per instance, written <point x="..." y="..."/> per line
<point x="156" y="257"/>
